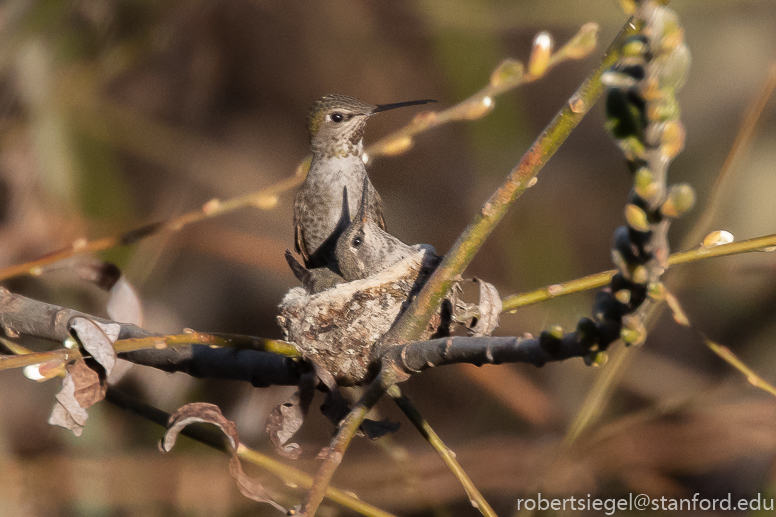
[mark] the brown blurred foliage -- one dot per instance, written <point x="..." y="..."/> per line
<point x="118" y="113"/>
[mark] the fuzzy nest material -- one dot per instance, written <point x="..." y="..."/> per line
<point x="338" y="327"/>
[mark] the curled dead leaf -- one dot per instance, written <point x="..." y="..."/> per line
<point x="81" y="389"/>
<point x="201" y="412"/>
<point x="286" y="419"/>
<point x="67" y="412"/>
<point x="97" y="338"/>
<point x="198" y="412"/>
<point x="490" y="307"/>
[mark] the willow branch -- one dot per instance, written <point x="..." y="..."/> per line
<point x="515" y="301"/>
<point x="507" y="76"/>
<point x="333" y="454"/>
<point x="178" y="353"/>
<point x="411" y="325"/>
<point x="447" y="455"/>
<point x="265" y="198"/>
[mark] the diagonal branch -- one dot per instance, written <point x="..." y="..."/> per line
<point x="333" y="454"/>
<point x="265" y="198"/>
<point x="515" y="301"/>
<point x="413" y="322"/>
<point x="507" y="76"/>
<point x="448" y="456"/>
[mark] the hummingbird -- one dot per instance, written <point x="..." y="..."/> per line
<point x="365" y="248"/>
<point x="319" y="279"/>
<point x="336" y="126"/>
<point x="313" y="280"/>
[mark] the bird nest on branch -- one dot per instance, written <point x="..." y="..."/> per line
<point x="337" y="328"/>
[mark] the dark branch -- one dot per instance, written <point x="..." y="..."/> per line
<point x="422" y="355"/>
<point x="22" y="315"/>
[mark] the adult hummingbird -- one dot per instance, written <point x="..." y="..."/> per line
<point x="336" y="126"/>
<point x="365" y="248"/>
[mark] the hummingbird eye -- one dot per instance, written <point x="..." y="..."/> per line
<point x="337" y="117"/>
<point x="357" y="242"/>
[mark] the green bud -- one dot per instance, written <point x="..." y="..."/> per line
<point x="582" y="44"/>
<point x="636" y="217"/>
<point x="681" y="199"/>
<point x="672" y="68"/>
<point x="509" y="72"/>
<point x="597" y="359"/>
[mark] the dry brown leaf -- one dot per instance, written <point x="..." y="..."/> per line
<point x="284" y="421"/>
<point x="89" y="387"/>
<point x="201" y="412"/>
<point x="490" y="307"/>
<point x="81" y="389"/>
<point x="97" y="339"/>
<point x="67" y="412"/>
<point x="198" y="412"/>
<point x="248" y="486"/>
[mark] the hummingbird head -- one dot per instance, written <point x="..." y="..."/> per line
<point x="336" y="123"/>
<point x="364" y="248"/>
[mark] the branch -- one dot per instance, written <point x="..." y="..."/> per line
<point x="411" y="325"/>
<point x="22" y="315"/>
<point x="765" y="243"/>
<point x="265" y="199"/>
<point x="332" y="455"/>
<point x="447" y="455"/>
<point x="549" y="347"/>
<point x="507" y="76"/>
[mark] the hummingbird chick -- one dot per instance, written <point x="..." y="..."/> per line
<point x="336" y="126"/>
<point x="313" y="280"/>
<point x="365" y="248"/>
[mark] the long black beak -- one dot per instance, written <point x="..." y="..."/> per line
<point x="386" y="107"/>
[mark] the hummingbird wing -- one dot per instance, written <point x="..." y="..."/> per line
<point x="300" y="272"/>
<point x="300" y="246"/>
<point x="376" y="207"/>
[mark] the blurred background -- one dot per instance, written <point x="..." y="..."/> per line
<point x="119" y="113"/>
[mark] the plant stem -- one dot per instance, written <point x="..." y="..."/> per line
<point x="597" y="280"/>
<point x="475" y="497"/>
<point x="413" y="322"/>
<point x="335" y="452"/>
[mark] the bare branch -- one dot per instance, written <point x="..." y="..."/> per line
<point x="412" y="323"/>
<point x="22" y="315"/>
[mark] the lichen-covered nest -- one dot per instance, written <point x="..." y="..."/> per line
<point x="338" y="327"/>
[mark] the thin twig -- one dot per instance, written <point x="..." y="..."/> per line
<point x="333" y="454"/>
<point x="475" y="497"/>
<point x="264" y="198"/>
<point x="508" y="75"/>
<point x="755" y="108"/>
<point x="722" y="351"/>
<point x="515" y="301"/>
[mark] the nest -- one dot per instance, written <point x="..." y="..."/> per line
<point x="337" y="328"/>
